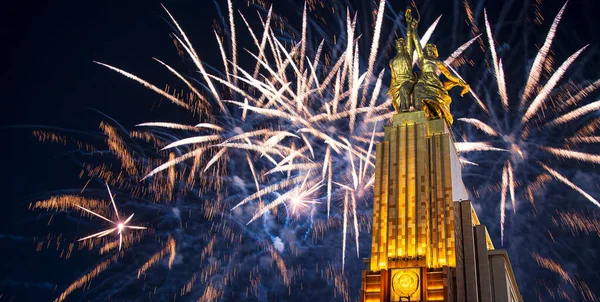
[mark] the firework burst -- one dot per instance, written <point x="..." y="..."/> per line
<point x="525" y="131"/>
<point x="119" y="226"/>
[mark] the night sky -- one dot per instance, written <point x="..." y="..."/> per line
<point x="49" y="79"/>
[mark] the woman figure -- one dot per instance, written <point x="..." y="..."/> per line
<point x="429" y="93"/>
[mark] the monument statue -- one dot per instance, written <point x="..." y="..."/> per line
<point x="428" y="93"/>
<point x="403" y="79"/>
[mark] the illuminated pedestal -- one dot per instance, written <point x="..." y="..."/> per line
<point x="424" y="238"/>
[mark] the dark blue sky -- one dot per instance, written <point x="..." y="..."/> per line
<point x="48" y="78"/>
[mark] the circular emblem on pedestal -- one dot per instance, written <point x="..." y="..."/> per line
<point x="405" y="283"/>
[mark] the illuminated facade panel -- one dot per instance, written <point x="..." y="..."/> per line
<point x="427" y="242"/>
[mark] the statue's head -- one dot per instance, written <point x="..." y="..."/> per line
<point x="401" y="44"/>
<point x="431" y="51"/>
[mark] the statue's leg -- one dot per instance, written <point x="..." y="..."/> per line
<point x="418" y="96"/>
<point x="446" y="99"/>
<point x="410" y="97"/>
<point x="395" y="98"/>
<point x="405" y="90"/>
<point x="395" y="104"/>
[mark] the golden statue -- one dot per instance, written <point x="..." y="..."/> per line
<point x="429" y="94"/>
<point x="403" y="79"/>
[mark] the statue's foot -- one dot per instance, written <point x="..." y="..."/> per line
<point x="412" y="108"/>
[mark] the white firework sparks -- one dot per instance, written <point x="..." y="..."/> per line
<point x="119" y="225"/>
<point x="513" y="135"/>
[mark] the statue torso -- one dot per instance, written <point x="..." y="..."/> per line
<point x="430" y="73"/>
<point x="429" y="65"/>
<point x="401" y="66"/>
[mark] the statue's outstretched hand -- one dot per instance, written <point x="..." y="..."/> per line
<point x="451" y="84"/>
<point x="465" y="89"/>
<point x="408" y="16"/>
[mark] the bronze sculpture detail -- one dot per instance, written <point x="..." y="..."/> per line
<point x="403" y="79"/>
<point x="428" y="92"/>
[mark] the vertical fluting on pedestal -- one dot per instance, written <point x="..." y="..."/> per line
<point x="413" y="220"/>
<point x="442" y="247"/>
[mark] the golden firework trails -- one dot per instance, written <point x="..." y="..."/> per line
<point x="99" y="268"/>
<point x="67" y="202"/>
<point x="578" y="222"/>
<point x="117" y="145"/>
<point x="169" y="248"/>
<point x="128" y="240"/>
<point x="281" y="267"/>
<point x="553" y="266"/>
<point x="573" y="280"/>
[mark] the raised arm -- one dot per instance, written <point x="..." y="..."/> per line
<point x="416" y="43"/>
<point x="410" y="32"/>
